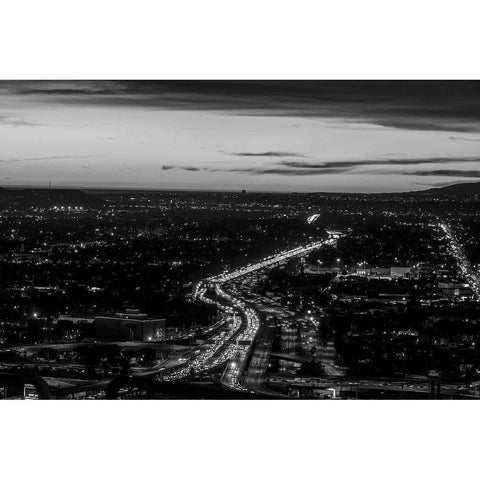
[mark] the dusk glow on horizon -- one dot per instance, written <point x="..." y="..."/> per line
<point x="265" y="136"/>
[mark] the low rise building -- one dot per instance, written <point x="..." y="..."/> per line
<point x="130" y="325"/>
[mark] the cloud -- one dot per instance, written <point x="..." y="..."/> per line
<point x="446" y="173"/>
<point x="289" y="172"/>
<point x="18" y="122"/>
<point x="408" y="105"/>
<point x="429" y="124"/>
<point x="189" y="169"/>
<point x="302" y="168"/>
<point x="68" y="88"/>
<point x="359" y="163"/>
<point x="37" y="159"/>
<point x="258" y="170"/>
<point x="463" y="139"/>
<point x="299" y="168"/>
<point x="266" y="154"/>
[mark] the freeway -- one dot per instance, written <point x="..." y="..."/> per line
<point x="233" y="345"/>
<point x="255" y="336"/>
<point x="255" y="376"/>
<point x="231" y="378"/>
<point x="215" y="354"/>
<point x="463" y="263"/>
<point x="274" y="260"/>
<point x="406" y="386"/>
<point x="241" y="343"/>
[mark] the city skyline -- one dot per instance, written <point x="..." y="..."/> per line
<point x="260" y="136"/>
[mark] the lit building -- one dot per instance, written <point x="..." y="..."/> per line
<point x="400" y="272"/>
<point x="130" y="325"/>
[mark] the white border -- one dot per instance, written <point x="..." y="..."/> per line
<point x="239" y="39"/>
<point x="239" y="439"/>
<point x="248" y="39"/>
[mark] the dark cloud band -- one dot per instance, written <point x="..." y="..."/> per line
<point x="408" y="105"/>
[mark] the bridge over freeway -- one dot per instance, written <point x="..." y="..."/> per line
<point x="290" y="358"/>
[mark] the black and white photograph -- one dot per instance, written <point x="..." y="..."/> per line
<point x="239" y="240"/>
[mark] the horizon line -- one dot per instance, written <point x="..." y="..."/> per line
<point x="241" y="191"/>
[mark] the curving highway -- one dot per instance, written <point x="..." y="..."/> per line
<point x="246" y="348"/>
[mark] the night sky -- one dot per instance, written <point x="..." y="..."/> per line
<point x="363" y="136"/>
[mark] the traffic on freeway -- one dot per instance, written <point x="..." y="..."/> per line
<point x="238" y="341"/>
<point x="462" y="261"/>
<point x="273" y="260"/>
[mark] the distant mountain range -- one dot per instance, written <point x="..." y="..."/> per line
<point x="457" y="190"/>
<point x="48" y="198"/>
